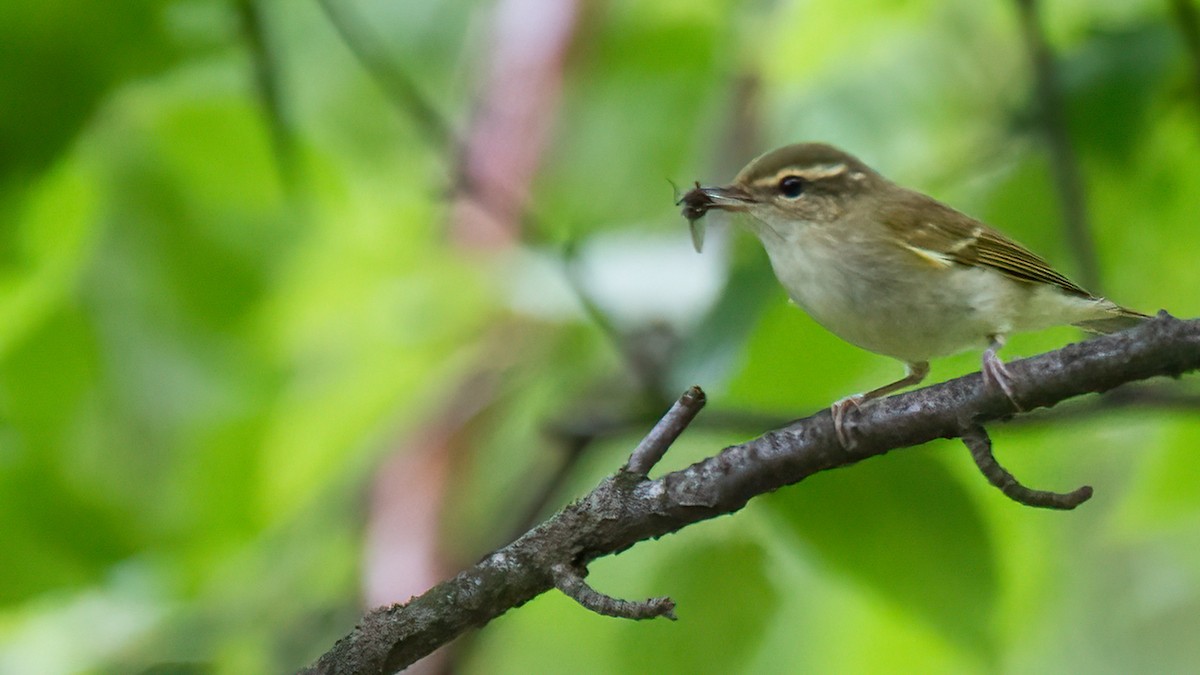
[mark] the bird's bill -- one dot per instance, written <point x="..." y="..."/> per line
<point x="698" y="201"/>
<point x="730" y="197"/>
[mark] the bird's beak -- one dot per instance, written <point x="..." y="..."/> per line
<point x="730" y="197"/>
<point x="699" y="200"/>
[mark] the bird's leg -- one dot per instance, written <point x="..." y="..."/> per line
<point x="915" y="373"/>
<point x="995" y="373"/>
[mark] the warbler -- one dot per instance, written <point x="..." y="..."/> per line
<point x="893" y="270"/>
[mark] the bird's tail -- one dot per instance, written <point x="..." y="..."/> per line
<point x="1118" y="319"/>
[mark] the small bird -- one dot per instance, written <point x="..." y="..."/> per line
<point x="895" y="271"/>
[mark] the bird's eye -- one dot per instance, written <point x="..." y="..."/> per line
<point x="791" y="186"/>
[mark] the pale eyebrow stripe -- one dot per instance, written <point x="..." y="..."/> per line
<point x="809" y="173"/>
<point x="822" y="171"/>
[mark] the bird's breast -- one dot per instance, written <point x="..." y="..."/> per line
<point x="888" y="300"/>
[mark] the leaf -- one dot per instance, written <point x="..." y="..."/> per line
<point x="59" y="60"/>
<point x="902" y="526"/>
<point x="725" y="602"/>
<point x="1117" y="72"/>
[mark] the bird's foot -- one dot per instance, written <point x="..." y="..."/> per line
<point x="995" y="374"/>
<point x="838" y="410"/>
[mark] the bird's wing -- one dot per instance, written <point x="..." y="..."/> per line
<point x="937" y="232"/>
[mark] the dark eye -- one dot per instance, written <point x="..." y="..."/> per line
<point x="791" y="186"/>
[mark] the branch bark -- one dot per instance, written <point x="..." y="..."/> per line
<point x="980" y="445"/>
<point x="628" y="507"/>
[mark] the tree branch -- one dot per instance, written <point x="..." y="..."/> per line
<point x="571" y="583"/>
<point x="627" y="508"/>
<point x="655" y="444"/>
<point x="980" y="445"/>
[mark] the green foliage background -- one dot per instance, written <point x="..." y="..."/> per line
<point x="206" y="348"/>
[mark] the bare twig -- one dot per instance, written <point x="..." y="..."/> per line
<point x="575" y="441"/>
<point x="977" y="441"/>
<point x="572" y="585"/>
<point x="655" y="444"/>
<point x="626" y="508"/>
<point x="1064" y="163"/>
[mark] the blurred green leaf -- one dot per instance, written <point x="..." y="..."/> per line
<point x="63" y="529"/>
<point x="59" y="60"/>
<point x="793" y="365"/>
<point x="903" y="526"/>
<point x="1117" y="72"/>
<point x="725" y="599"/>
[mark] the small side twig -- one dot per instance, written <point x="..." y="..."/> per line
<point x="572" y="585"/>
<point x="655" y="444"/>
<point x="977" y="441"/>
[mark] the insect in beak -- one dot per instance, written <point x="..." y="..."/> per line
<point x="697" y="202"/>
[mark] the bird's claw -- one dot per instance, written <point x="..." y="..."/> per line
<point x="996" y="374"/>
<point x="838" y="411"/>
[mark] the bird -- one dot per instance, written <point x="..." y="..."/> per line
<point x="894" y="271"/>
